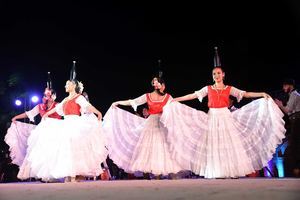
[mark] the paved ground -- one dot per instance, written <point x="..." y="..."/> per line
<point x="206" y="189"/>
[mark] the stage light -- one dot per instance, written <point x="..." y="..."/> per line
<point x="34" y="99"/>
<point x="279" y="161"/>
<point x="18" y="102"/>
<point x="269" y="168"/>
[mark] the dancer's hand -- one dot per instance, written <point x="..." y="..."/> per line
<point x="279" y="103"/>
<point x="265" y="95"/>
<point x="45" y="116"/>
<point x="13" y="120"/>
<point x="115" y="104"/>
<point x="99" y="116"/>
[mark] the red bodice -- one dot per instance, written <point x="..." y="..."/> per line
<point x="70" y="107"/>
<point x="218" y="98"/>
<point x="43" y="109"/>
<point x="156" y="107"/>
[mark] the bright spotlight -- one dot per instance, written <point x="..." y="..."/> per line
<point x="18" y="102"/>
<point x="34" y="99"/>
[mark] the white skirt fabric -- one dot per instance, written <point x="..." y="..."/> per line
<point x="221" y="144"/>
<point x="61" y="148"/>
<point x="138" y="144"/>
<point x="16" y="138"/>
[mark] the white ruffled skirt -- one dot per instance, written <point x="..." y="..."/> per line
<point x="61" y="148"/>
<point x="224" y="144"/>
<point x="16" y="138"/>
<point x="138" y="144"/>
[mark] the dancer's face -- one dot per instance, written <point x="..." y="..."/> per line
<point x="156" y="84"/>
<point x="48" y="96"/>
<point x="53" y="97"/>
<point x="287" y="88"/>
<point x="47" y="93"/>
<point x="218" y="75"/>
<point x="70" y="86"/>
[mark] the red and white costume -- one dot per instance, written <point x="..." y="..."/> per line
<point x="139" y="144"/>
<point x="18" y="132"/>
<point x="223" y="143"/>
<point x="69" y="147"/>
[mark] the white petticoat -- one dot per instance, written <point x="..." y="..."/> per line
<point x="138" y="144"/>
<point x="69" y="147"/>
<point x="16" y="138"/>
<point x="221" y="143"/>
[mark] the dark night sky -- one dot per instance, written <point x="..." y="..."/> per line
<point x="117" y="45"/>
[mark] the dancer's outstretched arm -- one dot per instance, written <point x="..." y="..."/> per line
<point x="256" y="94"/>
<point x="123" y="103"/>
<point x="132" y="102"/>
<point x="20" y="116"/>
<point x="53" y="110"/>
<point x="186" y="97"/>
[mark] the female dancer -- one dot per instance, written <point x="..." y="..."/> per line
<point x="136" y="143"/>
<point x="69" y="147"/>
<point x="224" y="144"/>
<point x="19" y="132"/>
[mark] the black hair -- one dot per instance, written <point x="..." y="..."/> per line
<point x="52" y="91"/>
<point x="219" y="68"/>
<point x="289" y="81"/>
<point x="161" y="81"/>
<point x="159" y="77"/>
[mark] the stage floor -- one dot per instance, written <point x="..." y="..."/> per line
<point x="206" y="189"/>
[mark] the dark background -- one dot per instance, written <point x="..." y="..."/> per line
<point x="117" y="45"/>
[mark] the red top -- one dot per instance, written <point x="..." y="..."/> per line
<point x="218" y="98"/>
<point x="70" y="107"/>
<point x="43" y="109"/>
<point x="156" y="107"/>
